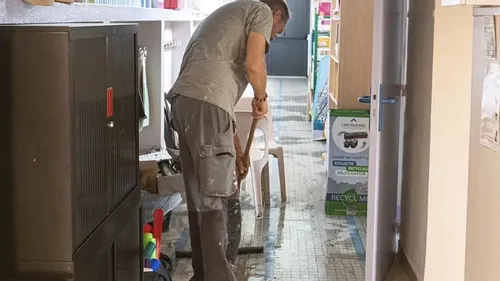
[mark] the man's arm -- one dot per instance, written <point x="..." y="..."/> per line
<point x="260" y="27"/>
<point x="237" y="145"/>
<point x="256" y="64"/>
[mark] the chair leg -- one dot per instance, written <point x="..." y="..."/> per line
<point x="266" y="194"/>
<point x="281" y="167"/>
<point x="257" y="193"/>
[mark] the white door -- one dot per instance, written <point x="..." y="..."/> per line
<point x="388" y="65"/>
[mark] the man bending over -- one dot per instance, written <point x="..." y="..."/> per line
<point x="226" y="52"/>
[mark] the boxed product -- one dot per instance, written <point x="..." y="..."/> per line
<point x="348" y="152"/>
<point x="325" y="9"/>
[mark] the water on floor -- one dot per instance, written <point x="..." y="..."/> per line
<point x="301" y="242"/>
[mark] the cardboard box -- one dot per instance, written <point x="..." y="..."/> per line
<point x="348" y="152"/>
<point x="153" y="182"/>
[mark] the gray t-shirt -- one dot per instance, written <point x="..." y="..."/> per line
<point x="213" y="66"/>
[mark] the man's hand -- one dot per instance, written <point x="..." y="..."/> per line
<point x="242" y="166"/>
<point x="259" y="107"/>
<point x="242" y="162"/>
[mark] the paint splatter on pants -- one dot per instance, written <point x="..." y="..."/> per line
<point x="233" y="225"/>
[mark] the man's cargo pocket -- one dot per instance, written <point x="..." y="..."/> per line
<point x="217" y="165"/>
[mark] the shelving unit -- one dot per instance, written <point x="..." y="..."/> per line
<point x="20" y="12"/>
<point x="157" y="27"/>
<point x="320" y="43"/>
<point x="350" y="53"/>
<point x="351" y="41"/>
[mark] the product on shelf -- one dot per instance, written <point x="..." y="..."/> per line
<point x="325" y="9"/>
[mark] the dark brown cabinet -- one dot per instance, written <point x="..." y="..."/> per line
<point x="69" y="162"/>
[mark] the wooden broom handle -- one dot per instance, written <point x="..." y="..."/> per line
<point x="249" y="143"/>
<point x="250" y="137"/>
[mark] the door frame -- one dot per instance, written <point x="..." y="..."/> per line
<point x="374" y="139"/>
<point x="402" y="114"/>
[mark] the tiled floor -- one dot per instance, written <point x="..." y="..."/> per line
<point x="301" y="242"/>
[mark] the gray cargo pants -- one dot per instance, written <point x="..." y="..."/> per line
<point x="208" y="164"/>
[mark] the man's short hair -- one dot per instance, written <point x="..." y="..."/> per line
<point x="279" y="5"/>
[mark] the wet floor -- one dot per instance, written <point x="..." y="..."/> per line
<point x="301" y="242"/>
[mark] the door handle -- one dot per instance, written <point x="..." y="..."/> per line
<point x="381" y="102"/>
<point x="368" y="99"/>
<point x="390" y="100"/>
<point x="365" y="99"/>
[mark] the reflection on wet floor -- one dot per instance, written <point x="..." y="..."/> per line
<point x="301" y="242"/>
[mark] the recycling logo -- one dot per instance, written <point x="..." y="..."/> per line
<point x="350" y="197"/>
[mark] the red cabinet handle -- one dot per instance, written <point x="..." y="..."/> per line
<point x="109" y="102"/>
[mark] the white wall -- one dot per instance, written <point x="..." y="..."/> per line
<point x="436" y="164"/>
<point x="449" y="150"/>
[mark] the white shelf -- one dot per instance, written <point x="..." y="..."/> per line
<point x="16" y="12"/>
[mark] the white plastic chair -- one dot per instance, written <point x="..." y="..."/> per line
<point x="259" y="157"/>
<point x="276" y="150"/>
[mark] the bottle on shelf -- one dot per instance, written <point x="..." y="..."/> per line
<point x="174" y="4"/>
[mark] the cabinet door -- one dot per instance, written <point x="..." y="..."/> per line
<point x="122" y="117"/>
<point x="90" y="141"/>
<point x="128" y="247"/>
